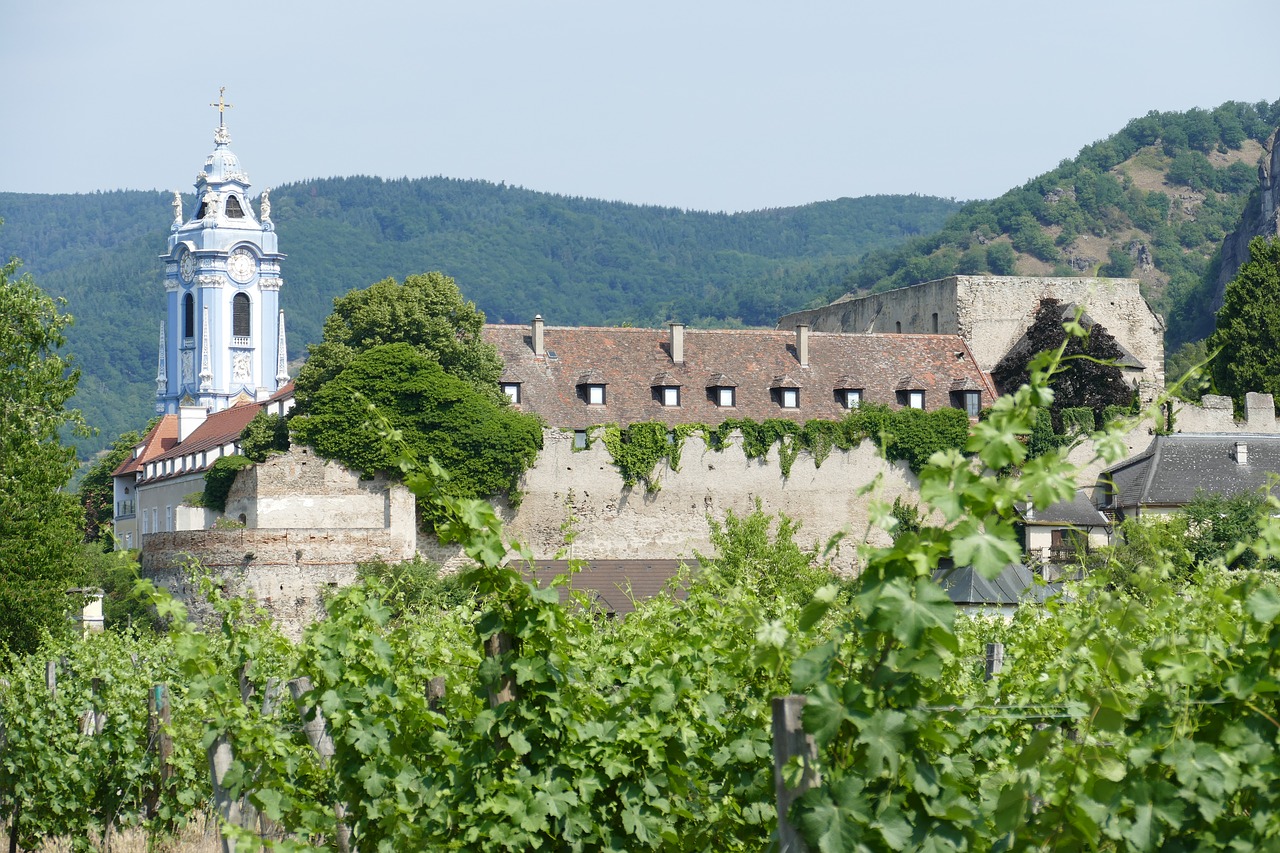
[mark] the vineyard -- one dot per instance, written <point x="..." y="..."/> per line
<point x="1137" y="711"/>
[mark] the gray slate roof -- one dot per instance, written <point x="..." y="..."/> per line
<point x="1175" y="467"/>
<point x="1013" y="586"/>
<point x="1078" y="512"/>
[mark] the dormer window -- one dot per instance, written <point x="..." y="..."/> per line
<point x="970" y="401"/>
<point x="851" y="398"/>
<point x="595" y="395"/>
<point x="666" y="390"/>
<point x="786" y="392"/>
<point x="722" y="390"/>
<point x="966" y="394"/>
<point x="512" y="391"/>
<point x="910" y="392"/>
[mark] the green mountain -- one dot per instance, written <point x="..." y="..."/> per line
<point x="514" y="252"/>
<point x="1153" y="201"/>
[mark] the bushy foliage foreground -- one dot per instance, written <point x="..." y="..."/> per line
<point x="1134" y="716"/>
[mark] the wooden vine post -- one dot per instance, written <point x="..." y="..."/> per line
<point x="495" y="647"/>
<point x="220" y="758"/>
<point x="790" y="740"/>
<point x="159" y="738"/>
<point x="317" y="734"/>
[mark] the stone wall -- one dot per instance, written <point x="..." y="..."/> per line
<point x="308" y="522"/>
<point x="583" y="489"/>
<point x="286" y="570"/>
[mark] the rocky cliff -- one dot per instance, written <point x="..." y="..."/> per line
<point x="1259" y="219"/>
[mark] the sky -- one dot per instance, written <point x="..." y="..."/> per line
<point x="696" y="104"/>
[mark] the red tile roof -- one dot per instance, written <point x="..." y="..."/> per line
<point x="632" y="363"/>
<point x="160" y="438"/>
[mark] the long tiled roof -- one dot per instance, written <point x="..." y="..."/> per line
<point x="1174" y="468"/>
<point x="218" y="429"/>
<point x="633" y="364"/>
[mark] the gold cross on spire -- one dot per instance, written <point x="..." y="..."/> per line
<point x="222" y="105"/>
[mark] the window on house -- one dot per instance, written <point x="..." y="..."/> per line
<point x="789" y="398"/>
<point x="971" y="402"/>
<point x="670" y="395"/>
<point x="579" y="439"/>
<point x="725" y="397"/>
<point x="911" y="399"/>
<point x="128" y="541"/>
<point x="595" y="395"/>
<point x="512" y="390"/>
<point x="851" y="398"/>
<point x="935" y="322"/>
<point x="240" y="316"/>
<point x="897" y="327"/>
<point x="188" y="316"/>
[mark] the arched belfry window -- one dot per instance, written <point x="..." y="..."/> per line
<point x="188" y="316"/>
<point x="240" y="316"/>
<point x="233" y="209"/>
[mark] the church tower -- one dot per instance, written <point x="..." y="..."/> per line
<point x="222" y="339"/>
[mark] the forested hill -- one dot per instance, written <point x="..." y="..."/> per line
<point x="513" y="251"/>
<point x="1153" y="201"/>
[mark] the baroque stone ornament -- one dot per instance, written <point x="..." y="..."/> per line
<point x="241" y="364"/>
<point x="188" y="366"/>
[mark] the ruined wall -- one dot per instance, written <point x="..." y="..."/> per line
<point x="308" y="523"/>
<point x="300" y="490"/>
<point x="993" y="312"/>
<point x="1215" y="414"/>
<point x="286" y="570"/>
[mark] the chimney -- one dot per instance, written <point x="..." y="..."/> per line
<point x="189" y="419"/>
<point x="677" y="342"/>
<point x="1242" y="453"/>
<point x="539" y="345"/>
<point x="802" y="344"/>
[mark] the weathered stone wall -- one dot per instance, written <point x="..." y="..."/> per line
<point x="584" y="488"/>
<point x="308" y="523"/>
<point x="1215" y="414"/>
<point x="286" y="570"/>
<point x="993" y="312"/>
<point x="300" y="490"/>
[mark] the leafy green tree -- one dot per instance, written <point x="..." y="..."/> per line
<point x="264" y="435"/>
<point x="97" y="491"/>
<point x="427" y="312"/>
<point x="1247" y="337"/>
<point x="39" y="521"/>
<point x="485" y="445"/>
<point x="1089" y="376"/>
<point x="1001" y="259"/>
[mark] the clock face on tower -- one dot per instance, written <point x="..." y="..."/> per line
<point x="241" y="265"/>
<point x="187" y="265"/>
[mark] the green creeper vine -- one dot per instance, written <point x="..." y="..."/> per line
<point x="907" y="434"/>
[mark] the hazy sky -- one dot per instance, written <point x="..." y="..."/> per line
<point x="710" y="105"/>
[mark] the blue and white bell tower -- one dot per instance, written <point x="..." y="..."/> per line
<point x="222" y="341"/>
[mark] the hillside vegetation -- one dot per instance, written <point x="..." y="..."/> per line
<point x="514" y="252"/>
<point x="1153" y="201"/>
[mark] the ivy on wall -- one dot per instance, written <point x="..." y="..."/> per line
<point x="910" y="435"/>
<point x="218" y="480"/>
